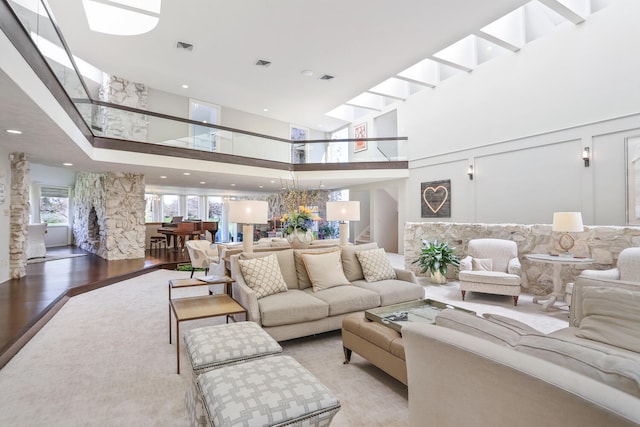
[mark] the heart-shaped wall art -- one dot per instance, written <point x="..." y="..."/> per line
<point x="435" y="197"/>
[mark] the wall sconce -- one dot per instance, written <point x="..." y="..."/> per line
<point x="586" y="155"/>
<point x="470" y="172"/>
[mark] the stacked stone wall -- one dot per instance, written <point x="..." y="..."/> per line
<point x="109" y="214"/>
<point x="602" y="243"/>
<point x="123" y="124"/>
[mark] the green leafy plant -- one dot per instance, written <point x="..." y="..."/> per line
<point x="436" y="256"/>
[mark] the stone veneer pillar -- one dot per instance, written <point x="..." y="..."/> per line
<point x="602" y="243"/>
<point x="19" y="215"/>
<point x="109" y="214"/>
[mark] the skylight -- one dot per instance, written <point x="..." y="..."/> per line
<point x="132" y="17"/>
<point x="507" y="34"/>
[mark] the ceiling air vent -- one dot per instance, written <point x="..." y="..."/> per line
<point x="185" y="46"/>
<point x="263" y="63"/>
<point x="327" y="77"/>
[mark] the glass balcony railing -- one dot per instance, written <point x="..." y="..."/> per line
<point x="111" y="121"/>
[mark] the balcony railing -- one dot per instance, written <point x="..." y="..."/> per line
<point x="115" y="126"/>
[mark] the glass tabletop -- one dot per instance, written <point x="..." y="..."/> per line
<point x="396" y="315"/>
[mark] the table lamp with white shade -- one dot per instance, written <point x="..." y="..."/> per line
<point x="248" y="212"/>
<point x="343" y="211"/>
<point x="567" y="222"/>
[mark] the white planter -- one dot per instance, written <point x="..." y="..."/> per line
<point x="438" y="278"/>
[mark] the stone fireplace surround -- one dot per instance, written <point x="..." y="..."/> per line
<point x="602" y="243"/>
<point x="109" y="214"/>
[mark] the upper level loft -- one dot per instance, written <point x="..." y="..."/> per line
<point x="121" y="121"/>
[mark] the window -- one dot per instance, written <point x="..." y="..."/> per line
<point x="54" y="205"/>
<point x="214" y="208"/>
<point x="170" y="207"/>
<point x="193" y="207"/>
<point x="151" y="208"/>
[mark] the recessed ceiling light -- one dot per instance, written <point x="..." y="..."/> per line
<point x="202" y="182"/>
<point x="14" y="131"/>
<point x="185" y="86"/>
<point x="260" y="186"/>
<point x="67" y="164"/>
<point x="272" y="181"/>
<point x="163" y="177"/>
<point x="233" y="185"/>
<point x="306" y="73"/>
<point x="186" y="173"/>
<point x="265" y="110"/>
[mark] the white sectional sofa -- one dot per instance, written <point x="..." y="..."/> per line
<point x="310" y="305"/>
<point x="497" y="371"/>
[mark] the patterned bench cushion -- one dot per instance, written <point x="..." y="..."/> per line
<point x="269" y="391"/>
<point x="212" y="346"/>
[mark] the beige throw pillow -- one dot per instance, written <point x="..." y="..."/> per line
<point x="375" y="265"/>
<point x="611" y="316"/>
<point x="324" y="269"/>
<point x="350" y="263"/>
<point x="263" y="275"/>
<point x="303" y="277"/>
<point x="481" y="264"/>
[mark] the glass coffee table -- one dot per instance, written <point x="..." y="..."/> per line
<point x="395" y="316"/>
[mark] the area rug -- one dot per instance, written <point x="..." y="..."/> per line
<point x="53" y="258"/>
<point x="105" y="359"/>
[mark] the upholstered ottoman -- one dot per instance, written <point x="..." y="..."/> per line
<point x="267" y="391"/>
<point x="211" y="347"/>
<point x="379" y="344"/>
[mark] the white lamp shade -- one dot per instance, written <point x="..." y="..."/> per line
<point x="343" y="211"/>
<point x="567" y="222"/>
<point x="248" y="212"/>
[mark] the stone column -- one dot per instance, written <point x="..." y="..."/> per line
<point x="19" y="215"/>
<point x="123" y="124"/>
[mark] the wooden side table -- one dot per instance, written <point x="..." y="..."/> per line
<point x="200" y="307"/>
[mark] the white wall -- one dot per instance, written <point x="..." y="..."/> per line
<point x="5" y="179"/>
<point x="523" y="119"/>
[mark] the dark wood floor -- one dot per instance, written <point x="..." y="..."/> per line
<point x="27" y="303"/>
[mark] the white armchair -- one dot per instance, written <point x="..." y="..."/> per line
<point x="35" y="241"/>
<point x="627" y="269"/>
<point x="203" y="254"/>
<point x="491" y="266"/>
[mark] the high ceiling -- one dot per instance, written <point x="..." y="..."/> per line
<point x="361" y="43"/>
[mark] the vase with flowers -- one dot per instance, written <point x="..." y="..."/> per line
<point x="297" y="227"/>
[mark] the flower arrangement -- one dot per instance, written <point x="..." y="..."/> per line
<point x="301" y="220"/>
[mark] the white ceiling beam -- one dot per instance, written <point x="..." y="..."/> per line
<point x="386" y="95"/>
<point x="451" y="64"/>
<point x="496" y="40"/>
<point x="563" y="10"/>
<point x="366" y="107"/>
<point x="414" y="81"/>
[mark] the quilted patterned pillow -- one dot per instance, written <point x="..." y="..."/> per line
<point x="375" y="265"/>
<point x="263" y="275"/>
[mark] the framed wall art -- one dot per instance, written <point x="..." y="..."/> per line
<point x="435" y="199"/>
<point x="360" y="131"/>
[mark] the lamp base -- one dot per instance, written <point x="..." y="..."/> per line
<point x="566" y="242"/>
<point x="344" y="233"/>
<point x="247" y="238"/>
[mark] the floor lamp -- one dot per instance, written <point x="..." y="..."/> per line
<point x="567" y="222"/>
<point x="248" y="212"/>
<point x="343" y="211"/>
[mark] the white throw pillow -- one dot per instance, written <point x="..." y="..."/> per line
<point x="482" y="264"/>
<point x="375" y="265"/>
<point x="263" y="275"/>
<point x="324" y="270"/>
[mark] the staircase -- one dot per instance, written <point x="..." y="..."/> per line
<point x="364" y="237"/>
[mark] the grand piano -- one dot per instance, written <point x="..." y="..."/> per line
<point x="179" y="231"/>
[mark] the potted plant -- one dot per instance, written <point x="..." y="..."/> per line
<point x="435" y="257"/>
